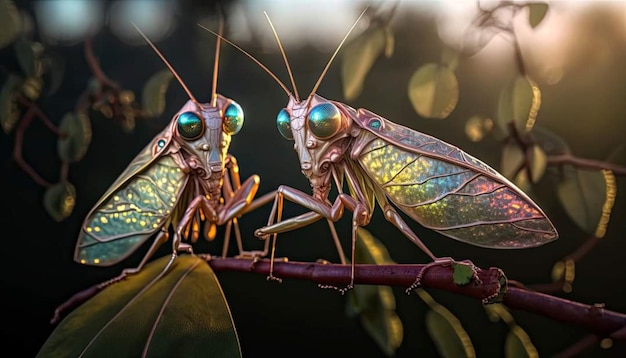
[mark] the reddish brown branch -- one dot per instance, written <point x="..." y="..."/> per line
<point x="562" y="159"/>
<point x="595" y="318"/>
<point x="95" y="66"/>
<point x="17" y="148"/>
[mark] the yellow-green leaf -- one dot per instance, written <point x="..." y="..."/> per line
<point x="536" y="13"/>
<point x="519" y="103"/>
<point x="31" y="87"/>
<point x="447" y="333"/>
<point x="9" y="112"/>
<point x="518" y="344"/>
<point x="582" y="193"/>
<point x="59" y="200"/>
<point x="153" y="94"/>
<point x="185" y="310"/>
<point x="54" y="70"/>
<point x="76" y="130"/>
<point x="512" y="158"/>
<point x="359" y="56"/>
<point x="538" y="163"/>
<point x="434" y="91"/>
<point x="10" y="22"/>
<point x="477" y="127"/>
<point x="375" y="305"/>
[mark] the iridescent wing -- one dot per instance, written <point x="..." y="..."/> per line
<point x="447" y="190"/>
<point x="137" y="205"/>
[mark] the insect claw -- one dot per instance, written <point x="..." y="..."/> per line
<point x="274" y="278"/>
<point x="341" y="290"/>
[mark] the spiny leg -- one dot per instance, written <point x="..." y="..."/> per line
<point x="320" y="209"/>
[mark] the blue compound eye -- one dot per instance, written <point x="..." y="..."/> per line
<point x="283" y="122"/>
<point x="324" y="120"/>
<point x="233" y="119"/>
<point x="190" y="126"/>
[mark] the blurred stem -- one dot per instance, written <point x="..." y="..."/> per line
<point x="95" y="66"/>
<point x="579" y="347"/>
<point x="594" y="318"/>
<point x="567" y="158"/>
<point x="31" y="111"/>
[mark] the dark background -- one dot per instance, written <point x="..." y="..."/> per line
<point x="297" y="318"/>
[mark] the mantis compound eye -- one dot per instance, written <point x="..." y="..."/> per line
<point x="190" y="126"/>
<point x="324" y="120"/>
<point x="283" y="122"/>
<point x="233" y="119"/>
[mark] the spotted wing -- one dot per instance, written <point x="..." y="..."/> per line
<point x="137" y="205"/>
<point x="447" y="190"/>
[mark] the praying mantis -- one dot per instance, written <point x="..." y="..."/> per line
<point x="433" y="182"/>
<point x="183" y="177"/>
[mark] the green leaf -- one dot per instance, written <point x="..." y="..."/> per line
<point x="512" y="158"/>
<point x="10" y="22"/>
<point x="29" y="55"/>
<point x="434" y="91"/>
<point x="54" y="70"/>
<point x="59" y="200"/>
<point x="76" y="128"/>
<point x="582" y="193"/>
<point x="462" y="273"/>
<point x="447" y="333"/>
<point x="538" y="163"/>
<point x="186" y="309"/>
<point x="153" y="94"/>
<point x="375" y="305"/>
<point x="536" y="13"/>
<point x="519" y="103"/>
<point x="359" y="56"/>
<point x="9" y="112"/>
<point x="518" y="344"/>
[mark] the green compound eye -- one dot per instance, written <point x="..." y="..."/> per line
<point x="190" y="126"/>
<point x="283" y="122"/>
<point x="233" y="119"/>
<point x="324" y="120"/>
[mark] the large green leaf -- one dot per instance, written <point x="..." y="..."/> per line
<point x="583" y="193"/>
<point x="10" y="22"/>
<point x="76" y="129"/>
<point x="9" y="112"/>
<point x="153" y="94"/>
<point x="446" y="330"/>
<point x="182" y="314"/>
<point x="434" y="91"/>
<point x="29" y="55"/>
<point x="59" y="200"/>
<point x="359" y="56"/>
<point x="375" y="304"/>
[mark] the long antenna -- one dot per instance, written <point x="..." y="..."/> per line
<point x="216" y="63"/>
<point x="319" y="81"/>
<point x="282" y="85"/>
<point x="166" y="63"/>
<point x="282" y="51"/>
